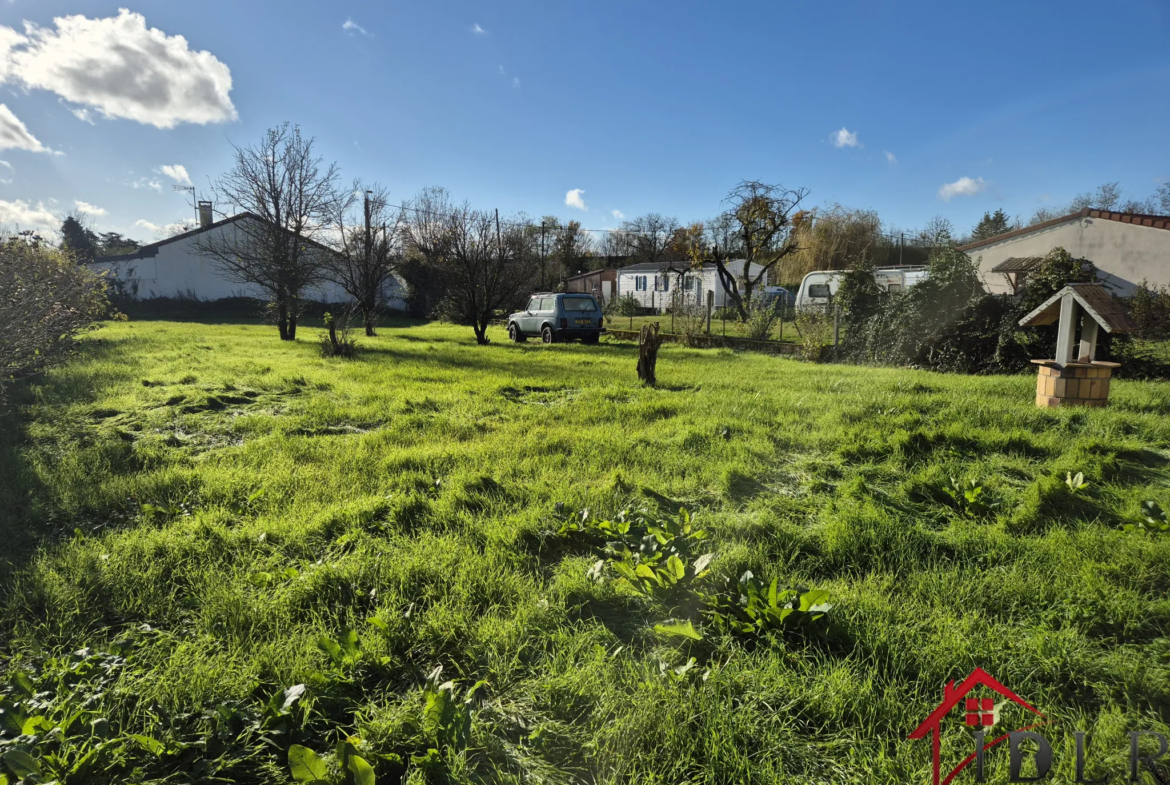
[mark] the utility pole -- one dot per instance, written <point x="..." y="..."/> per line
<point x="901" y="244"/>
<point x="543" y="228"/>
<point x="499" y="243"/>
<point x="369" y="236"/>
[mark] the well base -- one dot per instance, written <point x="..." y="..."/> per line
<point x="1075" y="384"/>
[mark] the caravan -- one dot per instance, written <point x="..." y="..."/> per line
<point x="819" y="287"/>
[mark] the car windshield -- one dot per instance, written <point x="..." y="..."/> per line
<point x="579" y="304"/>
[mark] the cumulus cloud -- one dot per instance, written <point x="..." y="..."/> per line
<point x="166" y="230"/>
<point x="178" y="173"/>
<point x="891" y="157"/>
<point x="15" y="136"/>
<point x="618" y="214"/>
<point x="6" y="165"/>
<point x="845" y="138"/>
<point x="351" y="26"/>
<point x="515" y="81"/>
<point x="964" y="186"/>
<point x="475" y="28"/>
<point x="85" y="208"/>
<point x="121" y="68"/>
<point x="82" y="114"/>
<point x="146" y="183"/>
<point x="573" y="199"/>
<point x="23" y="215"/>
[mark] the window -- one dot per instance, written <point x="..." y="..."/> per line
<point x="666" y="283"/>
<point x="579" y="304"/>
<point x="548" y="304"/>
<point x="819" y="290"/>
<point x="533" y="305"/>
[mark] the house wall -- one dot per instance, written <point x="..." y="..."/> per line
<point x="1124" y="253"/>
<point x="663" y="299"/>
<point x="179" y="270"/>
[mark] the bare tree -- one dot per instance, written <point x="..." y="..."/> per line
<point x="571" y="246"/>
<point x="484" y="264"/>
<point x="291" y="195"/>
<point x="649" y="236"/>
<point x="757" y="227"/>
<point x="368" y="248"/>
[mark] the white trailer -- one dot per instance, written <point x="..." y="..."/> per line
<point x="819" y="287"/>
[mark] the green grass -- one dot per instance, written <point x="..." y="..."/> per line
<point x="245" y="497"/>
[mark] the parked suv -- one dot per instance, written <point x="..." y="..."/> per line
<point x="558" y="317"/>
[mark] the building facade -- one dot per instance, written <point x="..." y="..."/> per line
<point x="1126" y="248"/>
<point x="658" y="285"/>
<point x="176" y="267"/>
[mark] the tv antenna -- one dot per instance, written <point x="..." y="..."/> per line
<point x="191" y="190"/>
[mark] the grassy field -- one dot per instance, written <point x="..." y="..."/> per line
<point x="198" y="518"/>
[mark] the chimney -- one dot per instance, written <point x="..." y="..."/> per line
<point x="206" y="218"/>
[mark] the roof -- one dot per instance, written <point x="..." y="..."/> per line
<point x="1137" y="219"/>
<point x="1018" y="264"/>
<point x="1096" y="301"/>
<point x="148" y="251"/>
<point x="651" y="267"/>
<point x="588" y="273"/>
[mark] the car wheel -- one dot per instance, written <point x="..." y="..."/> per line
<point x="546" y="334"/>
<point x="515" y="334"/>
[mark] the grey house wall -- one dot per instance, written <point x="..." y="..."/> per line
<point x="1125" y="253"/>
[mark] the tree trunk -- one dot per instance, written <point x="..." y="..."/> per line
<point x="481" y="333"/>
<point x="282" y="318"/>
<point x="368" y="318"/>
<point x="648" y="343"/>
<point x="292" y="325"/>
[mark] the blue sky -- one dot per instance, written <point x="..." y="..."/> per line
<point x="642" y="106"/>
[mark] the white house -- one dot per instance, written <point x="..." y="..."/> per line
<point x="657" y="284"/>
<point x="1126" y="247"/>
<point x="175" y="267"/>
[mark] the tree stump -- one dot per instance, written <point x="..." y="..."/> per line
<point x="648" y="343"/>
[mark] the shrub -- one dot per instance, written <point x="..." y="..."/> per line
<point x="815" y="328"/>
<point x="626" y="305"/>
<point x="338" y="343"/>
<point x="46" y="300"/>
<point x="1151" y="311"/>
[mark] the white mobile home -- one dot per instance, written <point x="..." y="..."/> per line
<point x="657" y="285"/>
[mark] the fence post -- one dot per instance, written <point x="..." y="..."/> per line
<point x="710" y="305"/>
<point x="836" y="324"/>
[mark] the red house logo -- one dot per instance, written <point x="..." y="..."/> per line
<point x="978" y="713"/>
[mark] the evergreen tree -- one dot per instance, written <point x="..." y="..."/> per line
<point x="991" y="225"/>
<point x="78" y="239"/>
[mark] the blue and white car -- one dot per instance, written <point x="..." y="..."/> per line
<point x="556" y="317"/>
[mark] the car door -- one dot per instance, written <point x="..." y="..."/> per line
<point x="529" y="323"/>
<point x="548" y="313"/>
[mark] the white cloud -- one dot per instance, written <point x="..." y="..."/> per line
<point x="15" y="136"/>
<point x="351" y="26"/>
<point x="515" y="81"/>
<point x="475" y="28"/>
<point x="121" y="68"/>
<point x="573" y="199"/>
<point x="178" y="173"/>
<point x="82" y="114"/>
<point x="85" y="208"/>
<point x="891" y="157"/>
<point x="502" y="72"/>
<point x="23" y="215"/>
<point x="964" y="186"/>
<point x="5" y="164"/>
<point x="167" y="230"/>
<point x="845" y="138"/>
<point x="618" y="214"/>
<point x="146" y="182"/>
